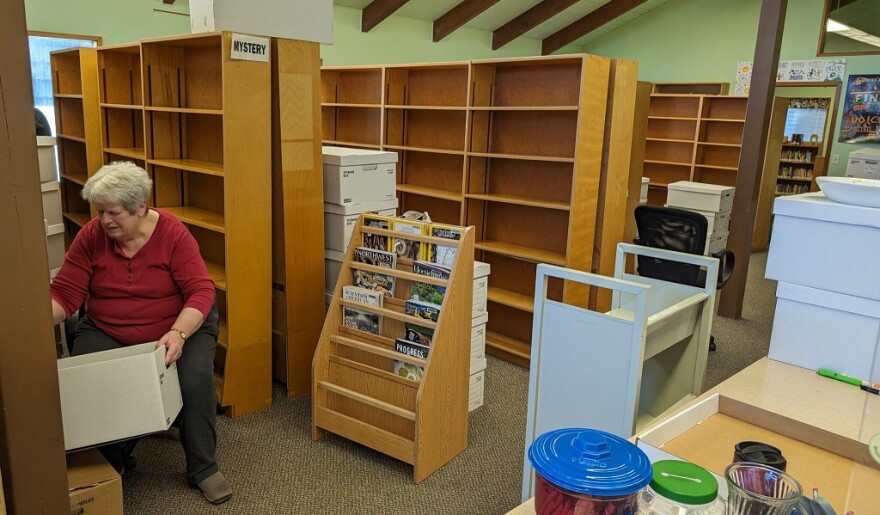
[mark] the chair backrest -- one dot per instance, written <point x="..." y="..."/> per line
<point x="671" y="229"/>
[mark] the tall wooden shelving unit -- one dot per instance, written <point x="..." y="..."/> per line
<point x="797" y="168"/>
<point x="487" y="143"/>
<point x="207" y="140"/>
<point x="355" y="392"/>
<point x="351" y="106"/>
<point x="77" y="126"/>
<point x="692" y="137"/>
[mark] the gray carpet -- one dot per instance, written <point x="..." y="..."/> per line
<point x="275" y="467"/>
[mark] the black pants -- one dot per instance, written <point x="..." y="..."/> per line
<point x="195" y="369"/>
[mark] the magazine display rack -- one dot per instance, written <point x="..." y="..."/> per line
<point x="640" y="360"/>
<point x="355" y="392"/>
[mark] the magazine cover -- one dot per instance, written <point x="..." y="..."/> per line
<point x="376" y="241"/>
<point x="382" y="283"/>
<point x="375" y="257"/>
<point x="423" y="310"/>
<point x="359" y="319"/>
<point x="418" y="334"/>
<point x="429" y="292"/>
<point x="443" y="254"/>
<point x="409" y="371"/>
<point x="413" y="349"/>
<point x="407" y="248"/>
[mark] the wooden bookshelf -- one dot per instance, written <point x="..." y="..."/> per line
<point x="351" y="106"/>
<point x="77" y="125"/>
<point x="206" y="135"/>
<point x="691" y="88"/>
<point x="355" y="392"/>
<point x="797" y="168"/>
<point x="486" y="143"/>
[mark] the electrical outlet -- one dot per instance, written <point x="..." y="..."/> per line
<point x="835" y="158"/>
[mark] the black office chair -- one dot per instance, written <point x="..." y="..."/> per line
<point x="680" y="230"/>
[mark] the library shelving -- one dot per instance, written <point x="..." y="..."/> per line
<point x="357" y="395"/>
<point x="692" y="88"/>
<point x="207" y="140"/>
<point x="486" y="143"/>
<point x="692" y="137"/>
<point x="77" y="126"/>
<point x="351" y="106"/>
<point x="797" y="168"/>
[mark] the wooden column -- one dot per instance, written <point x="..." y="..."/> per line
<point x="31" y="435"/>
<point x="748" y="176"/>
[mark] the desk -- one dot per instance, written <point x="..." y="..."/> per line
<point x="796" y="393"/>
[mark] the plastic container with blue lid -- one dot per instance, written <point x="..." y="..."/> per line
<point x="587" y="471"/>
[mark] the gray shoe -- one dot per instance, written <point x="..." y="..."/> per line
<point x="215" y="488"/>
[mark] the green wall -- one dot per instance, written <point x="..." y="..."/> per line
<point x="703" y="40"/>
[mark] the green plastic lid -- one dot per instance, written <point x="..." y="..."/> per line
<point x="684" y="482"/>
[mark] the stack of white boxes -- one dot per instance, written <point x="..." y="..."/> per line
<point x="643" y="191"/>
<point x="478" y="335"/>
<point x="51" y="203"/>
<point x="710" y="200"/>
<point x="355" y="181"/>
<point x="828" y="295"/>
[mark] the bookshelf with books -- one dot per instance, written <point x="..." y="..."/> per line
<point x="407" y="398"/>
<point x="207" y="141"/>
<point x="77" y="126"/>
<point x="797" y="168"/>
<point x="351" y="106"/>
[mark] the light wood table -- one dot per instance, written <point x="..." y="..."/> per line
<point x="796" y="393"/>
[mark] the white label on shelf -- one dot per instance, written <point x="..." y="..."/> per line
<point x="249" y="48"/>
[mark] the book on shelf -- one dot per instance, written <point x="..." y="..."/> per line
<point x="422" y="310"/>
<point x="377" y="241"/>
<point x="429" y="292"/>
<point x="408" y="370"/>
<point x="418" y="334"/>
<point x="359" y="319"/>
<point x="444" y="254"/>
<point x="409" y="249"/>
<point x="410" y="348"/>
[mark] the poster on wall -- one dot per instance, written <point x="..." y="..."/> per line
<point x="801" y="70"/>
<point x="860" y="122"/>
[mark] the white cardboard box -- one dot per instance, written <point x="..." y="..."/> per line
<point x="700" y="196"/>
<point x="51" y="202"/>
<point x="353" y="176"/>
<point x="821" y="329"/>
<point x="476" y="389"/>
<point x="716" y="221"/>
<point x="478" y="346"/>
<point x="55" y="245"/>
<point x="339" y="221"/>
<point x="306" y="20"/>
<point x="332" y="265"/>
<point x="822" y="244"/>
<point x="46" y="156"/>
<point x="117" y="394"/>
<point x="643" y="189"/>
<point x="864" y="163"/>
<point x="481" y="288"/>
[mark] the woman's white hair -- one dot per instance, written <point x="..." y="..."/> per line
<point x="121" y="182"/>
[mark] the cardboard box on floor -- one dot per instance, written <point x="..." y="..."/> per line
<point x="94" y="487"/>
<point x="840" y="467"/>
<point x="117" y="394"/>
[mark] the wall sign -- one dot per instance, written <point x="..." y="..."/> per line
<point x="249" y="48"/>
<point x="802" y="70"/>
<point x="860" y="122"/>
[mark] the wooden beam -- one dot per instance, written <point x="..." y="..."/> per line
<point x="377" y="10"/>
<point x="770" y="26"/>
<point x="458" y="16"/>
<point x="168" y="2"/>
<point x="528" y="20"/>
<point x="31" y="435"/>
<point x="587" y="24"/>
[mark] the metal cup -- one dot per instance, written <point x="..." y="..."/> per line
<point x="755" y="489"/>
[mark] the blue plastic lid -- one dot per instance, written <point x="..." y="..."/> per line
<point x="591" y="462"/>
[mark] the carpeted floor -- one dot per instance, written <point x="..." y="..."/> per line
<point x="275" y="467"/>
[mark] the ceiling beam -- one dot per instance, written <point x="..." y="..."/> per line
<point x="587" y="24"/>
<point x="528" y="20"/>
<point x="377" y="10"/>
<point x="458" y="16"/>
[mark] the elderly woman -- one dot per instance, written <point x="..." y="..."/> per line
<point x="139" y="271"/>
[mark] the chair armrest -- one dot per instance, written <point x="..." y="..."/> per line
<point x="726" y="263"/>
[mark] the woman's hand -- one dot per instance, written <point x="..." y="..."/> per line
<point x="173" y="344"/>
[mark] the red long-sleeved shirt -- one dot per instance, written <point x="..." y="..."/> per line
<point x="137" y="299"/>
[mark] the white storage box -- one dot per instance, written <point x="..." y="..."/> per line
<point x="481" y="288"/>
<point x="478" y="346"/>
<point x="821" y="329"/>
<point x="476" y="388"/>
<point x="339" y="221"/>
<point x="820" y="243"/>
<point x="715" y="221"/>
<point x="55" y="245"/>
<point x="117" y="394"/>
<point x="643" y="189"/>
<point x="332" y="265"/>
<point x="46" y="156"/>
<point x="306" y="20"/>
<point x="700" y="196"/>
<point x="51" y="202"/>
<point x="864" y="163"/>
<point x="353" y="176"/>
